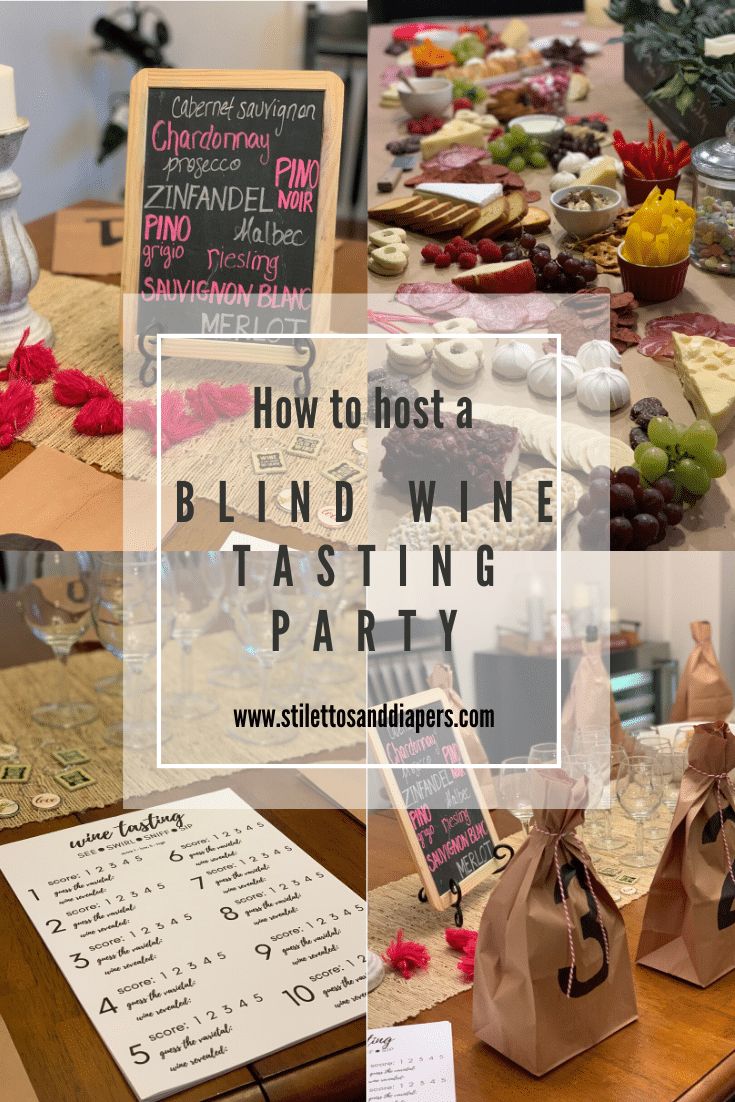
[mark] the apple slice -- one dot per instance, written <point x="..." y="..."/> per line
<point x="509" y="277"/>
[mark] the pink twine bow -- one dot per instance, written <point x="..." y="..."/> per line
<point x="720" y="778"/>
<point x="565" y="904"/>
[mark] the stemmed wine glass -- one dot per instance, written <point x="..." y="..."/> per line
<point x="253" y="610"/>
<point x="240" y="674"/>
<point x="546" y="753"/>
<point x="651" y="743"/>
<point x="193" y="582"/>
<point x="639" y="790"/>
<point x="56" y="605"/>
<point x="514" y="789"/>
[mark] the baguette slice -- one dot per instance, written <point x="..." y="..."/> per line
<point x="385" y="211"/>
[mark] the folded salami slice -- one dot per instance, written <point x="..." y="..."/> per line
<point x="494" y="313"/>
<point x="658" y="342"/>
<point x="431" y="297"/>
<point x="456" y="156"/>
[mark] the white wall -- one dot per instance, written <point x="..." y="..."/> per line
<point x="667" y="590"/>
<point x="64" y="90"/>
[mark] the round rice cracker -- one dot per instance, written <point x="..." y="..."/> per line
<point x="523" y="532"/>
<point x="445" y="527"/>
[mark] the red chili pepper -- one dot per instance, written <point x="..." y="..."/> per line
<point x="631" y="169"/>
<point x="651" y="138"/>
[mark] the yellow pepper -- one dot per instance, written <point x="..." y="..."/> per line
<point x="660" y="231"/>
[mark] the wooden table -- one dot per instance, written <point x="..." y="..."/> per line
<point x="712" y="525"/>
<point x="62" y="1052"/>
<point x="205" y="532"/>
<point x="681" y="1047"/>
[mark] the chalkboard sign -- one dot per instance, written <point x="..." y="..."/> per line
<point x="442" y="812"/>
<point x="230" y="201"/>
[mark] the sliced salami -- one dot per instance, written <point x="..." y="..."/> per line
<point x="431" y="298"/>
<point x="658" y="342"/>
<point x="513" y="180"/>
<point x="494" y="313"/>
<point x="456" y="156"/>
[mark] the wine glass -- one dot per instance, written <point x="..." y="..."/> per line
<point x="193" y="582"/>
<point x="514" y="789"/>
<point x="650" y="742"/>
<point x="255" y="609"/>
<point x="107" y="598"/>
<point x="237" y="675"/>
<point x="639" y="790"/>
<point x="546" y="753"/>
<point x="56" y="605"/>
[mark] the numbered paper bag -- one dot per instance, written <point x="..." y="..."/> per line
<point x="552" y="971"/>
<point x="689" y="924"/>
<point x="704" y="692"/>
<point x="590" y="702"/>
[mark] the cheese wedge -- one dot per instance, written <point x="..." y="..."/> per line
<point x="477" y="195"/>
<point x="603" y="173"/>
<point x="706" y="370"/>
<point x="455" y="132"/>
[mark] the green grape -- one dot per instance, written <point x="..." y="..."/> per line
<point x="663" y="432"/>
<point x="517" y="163"/>
<point x="516" y="137"/>
<point x="500" y="151"/>
<point x="653" y="463"/>
<point x="692" y="477"/>
<point x="537" y="160"/>
<point x="641" y="450"/>
<point x="714" y="464"/>
<point x="699" y="439"/>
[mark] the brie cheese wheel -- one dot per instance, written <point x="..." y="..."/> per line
<point x="706" y="370"/>
<point x="543" y="377"/>
<point x="603" y="390"/>
<point x="476" y="195"/>
<point x="512" y="360"/>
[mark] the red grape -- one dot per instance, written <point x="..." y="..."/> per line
<point x="599" y="492"/>
<point x="645" y="529"/>
<point x="602" y="472"/>
<point x="629" y="475"/>
<point x="622" y="498"/>
<point x="584" y="505"/>
<point x="651" y="501"/>
<point x="673" y="512"/>
<point x="665" y="487"/>
<point x="621" y="533"/>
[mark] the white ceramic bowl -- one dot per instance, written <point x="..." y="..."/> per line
<point x="547" y="129"/>
<point x="583" y="223"/>
<point x="433" y="96"/>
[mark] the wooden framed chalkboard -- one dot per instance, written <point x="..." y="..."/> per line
<point x="230" y="202"/>
<point x="448" y="829"/>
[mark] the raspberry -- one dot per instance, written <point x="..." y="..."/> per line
<point x="453" y="250"/>
<point x="467" y="259"/>
<point x="443" y="260"/>
<point x="462" y="101"/>
<point x="431" y="251"/>
<point x="488" y="250"/>
<point x="458" y="241"/>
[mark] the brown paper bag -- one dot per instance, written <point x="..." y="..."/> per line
<point x="552" y="971"/>
<point x="689" y="924"/>
<point x="590" y="702"/>
<point x="703" y="692"/>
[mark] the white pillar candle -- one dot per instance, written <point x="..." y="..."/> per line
<point x="8" y="114"/>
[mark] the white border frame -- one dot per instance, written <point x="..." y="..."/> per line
<point x="556" y="337"/>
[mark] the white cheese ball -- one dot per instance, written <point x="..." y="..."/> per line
<point x="573" y="162"/>
<point x="512" y="360"/>
<point x="562" y="179"/>
<point x="543" y="377"/>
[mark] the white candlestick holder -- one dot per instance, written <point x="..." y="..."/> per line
<point x="18" y="260"/>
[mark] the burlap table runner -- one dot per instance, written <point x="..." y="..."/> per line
<point x="85" y="317"/>
<point x="23" y="688"/>
<point x="395" y="906"/>
<point x="225" y="451"/>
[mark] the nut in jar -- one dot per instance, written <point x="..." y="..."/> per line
<point x="713" y="243"/>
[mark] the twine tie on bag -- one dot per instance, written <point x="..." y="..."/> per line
<point x="720" y="778"/>
<point x="557" y="836"/>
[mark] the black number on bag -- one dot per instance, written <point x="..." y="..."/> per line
<point x="590" y="927"/>
<point x="710" y="833"/>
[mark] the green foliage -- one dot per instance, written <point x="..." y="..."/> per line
<point x="676" y="39"/>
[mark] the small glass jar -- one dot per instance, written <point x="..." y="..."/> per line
<point x="713" y="244"/>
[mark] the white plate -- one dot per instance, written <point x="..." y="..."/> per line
<point x="590" y="48"/>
